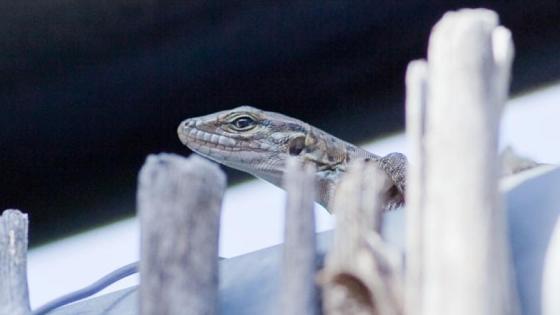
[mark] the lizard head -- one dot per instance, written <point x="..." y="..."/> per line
<point x="259" y="142"/>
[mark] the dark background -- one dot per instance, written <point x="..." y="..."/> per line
<point x="89" y="88"/>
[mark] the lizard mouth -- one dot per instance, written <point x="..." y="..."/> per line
<point x="203" y="141"/>
<point x="193" y="137"/>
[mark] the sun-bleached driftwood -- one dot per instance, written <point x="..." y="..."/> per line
<point x="551" y="275"/>
<point x="416" y="93"/>
<point x="14" y="296"/>
<point x="298" y="293"/>
<point x="362" y="274"/>
<point x="465" y="257"/>
<point x="179" y="204"/>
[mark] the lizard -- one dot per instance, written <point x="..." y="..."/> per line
<point x="259" y="142"/>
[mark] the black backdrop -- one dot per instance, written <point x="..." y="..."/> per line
<point x="89" y="87"/>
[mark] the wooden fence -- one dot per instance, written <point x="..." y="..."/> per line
<point x="458" y="259"/>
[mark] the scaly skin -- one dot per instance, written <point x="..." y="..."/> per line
<point x="259" y="142"/>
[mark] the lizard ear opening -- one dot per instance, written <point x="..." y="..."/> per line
<point x="296" y="145"/>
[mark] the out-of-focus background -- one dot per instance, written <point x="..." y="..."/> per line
<point x="89" y="88"/>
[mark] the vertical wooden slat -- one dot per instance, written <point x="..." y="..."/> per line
<point x="362" y="274"/>
<point x="466" y="259"/>
<point x="179" y="204"/>
<point x="416" y="94"/>
<point x="299" y="257"/>
<point x="14" y="296"/>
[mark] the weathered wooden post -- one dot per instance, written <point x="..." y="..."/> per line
<point x="416" y="94"/>
<point x="14" y="296"/>
<point x="465" y="256"/>
<point x="299" y="257"/>
<point x="179" y="204"/>
<point x="551" y="276"/>
<point x="362" y="274"/>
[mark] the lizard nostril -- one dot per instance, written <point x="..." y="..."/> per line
<point x="188" y="124"/>
<point x="183" y="129"/>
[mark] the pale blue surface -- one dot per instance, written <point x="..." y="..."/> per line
<point x="249" y="283"/>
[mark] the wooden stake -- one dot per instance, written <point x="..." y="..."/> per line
<point x="362" y="274"/>
<point x="466" y="266"/>
<point x="416" y="94"/>
<point x="179" y="204"/>
<point x="299" y="265"/>
<point x="14" y="296"/>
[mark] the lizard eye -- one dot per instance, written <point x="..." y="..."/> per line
<point x="243" y="123"/>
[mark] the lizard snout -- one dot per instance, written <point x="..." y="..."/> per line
<point x="184" y="128"/>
